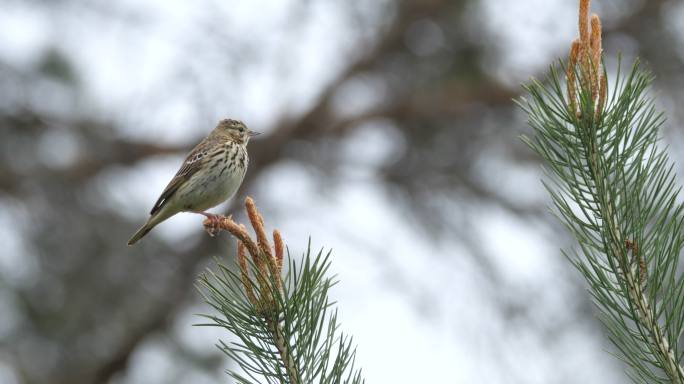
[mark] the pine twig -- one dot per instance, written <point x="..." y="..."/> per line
<point x="269" y="268"/>
<point x="615" y="191"/>
<point x="282" y="328"/>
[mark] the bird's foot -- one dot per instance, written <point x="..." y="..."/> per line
<point x="212" y="224"/>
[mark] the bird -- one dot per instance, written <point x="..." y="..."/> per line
<point x="210" y="175"/>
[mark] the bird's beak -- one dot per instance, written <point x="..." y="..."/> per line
<point x="252" y="133"/>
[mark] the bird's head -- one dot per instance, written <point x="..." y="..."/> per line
<point x="235" y="130"/>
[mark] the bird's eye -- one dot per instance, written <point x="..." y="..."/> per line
<point x="242" y="129"/>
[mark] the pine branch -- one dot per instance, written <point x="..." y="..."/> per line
<point x="615" y="191"/>
<point x="285" y="332"/>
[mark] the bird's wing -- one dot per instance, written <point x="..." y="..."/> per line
<point x="190" y="166"/>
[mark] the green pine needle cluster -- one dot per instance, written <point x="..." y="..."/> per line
<point x="299" y="342"/>
<point x="614" y="189"/>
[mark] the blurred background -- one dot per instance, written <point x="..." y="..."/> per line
<point x="390" y="136"/>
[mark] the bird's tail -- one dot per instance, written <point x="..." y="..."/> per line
<point x="142" y="232"/>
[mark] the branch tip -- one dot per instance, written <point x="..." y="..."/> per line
<point x="267" y="265"/>
<point x="570" y="75"/>
<point x="583" y="21"/>
<point x="244" y="273"/>
<point x="585" y="53"/>
<point x="258" y="225"/>
<point x="595" y="46"/>
<point x="279" y="249"/>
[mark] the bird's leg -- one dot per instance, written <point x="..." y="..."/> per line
<point x="213" y="226"/>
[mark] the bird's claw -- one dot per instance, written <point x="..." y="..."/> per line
<point x="212" y="224"/>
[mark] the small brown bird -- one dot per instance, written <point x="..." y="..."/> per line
<point x="210" y="175"/>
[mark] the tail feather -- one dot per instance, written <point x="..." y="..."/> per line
<point x="144" y="230"/>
